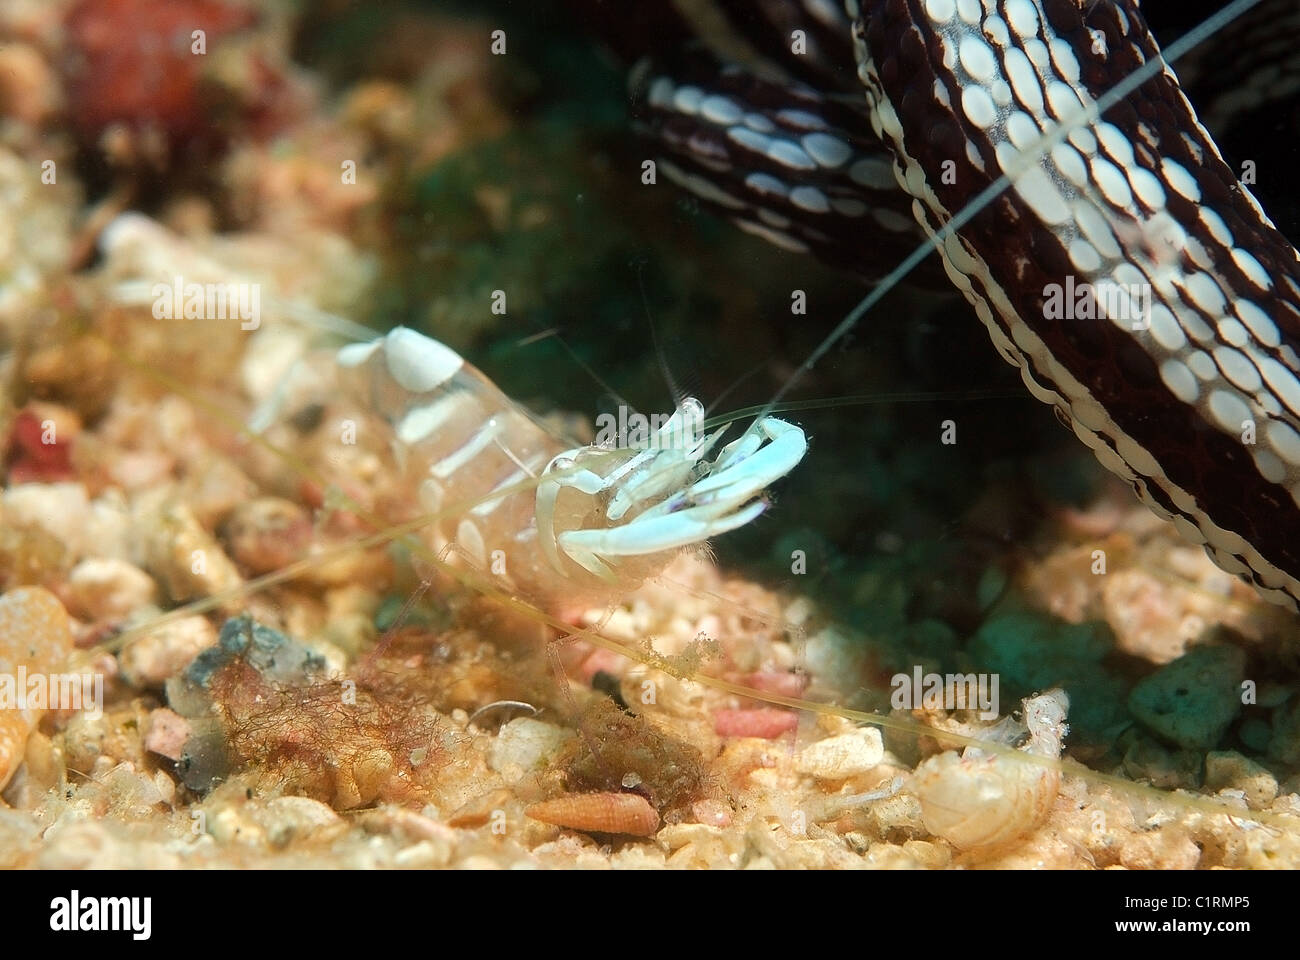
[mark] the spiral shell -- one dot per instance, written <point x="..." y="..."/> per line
<point x="981" y="801"/>
<point x="978" y="801"/>
<point x="628" y="813"/>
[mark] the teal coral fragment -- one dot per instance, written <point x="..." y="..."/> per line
<point x="1192" y="701"/>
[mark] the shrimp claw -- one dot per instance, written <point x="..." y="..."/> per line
<point x="697" y="499"/>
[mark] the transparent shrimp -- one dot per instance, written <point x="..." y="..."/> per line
<point x="560" y="525"/>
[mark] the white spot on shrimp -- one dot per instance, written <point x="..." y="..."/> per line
<point x="417" y="363"/>
<point x="471" y="541"/>
<point x="423" y="421"/>
<point x="1116" y="144"/>
<point x="355" y="354"/>
<point x="996" y="30"/>
<point x="475" y="445"/>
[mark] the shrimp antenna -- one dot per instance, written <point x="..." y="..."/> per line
<point x="731" y="387"/>
<point x="553" y="333"/>
<point x="676" y="393"/>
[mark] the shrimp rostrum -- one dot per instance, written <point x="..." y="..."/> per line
<point x="560" y="526"/>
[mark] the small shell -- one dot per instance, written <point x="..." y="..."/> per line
<point x="628" y="813"/>
<point x="983" y="801"/>
<point x="978" y="801"/>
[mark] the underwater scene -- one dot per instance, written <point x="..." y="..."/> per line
<point x="645" y="434"/>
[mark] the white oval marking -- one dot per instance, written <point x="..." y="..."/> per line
<point x="791" y="155"/>
<point x="1180" y="381"/>
<point x="810" y="199"/>
<point x="978" y="59"/>
<point x="687" y="100"/>
<point x="1259" y="322"/>
<point x="1252" y="268"/>
<point x="721" y="110"/>
<point x="418" y="363"/>
<point x="1237" y="368"/>
<point x="1283" y="438"/>
<point x="1165" y="329"/>
<point x="827" y="150"/>
<point x="979" y="107"/>
<point x="1229" y="410"/>
<point x="940" y="11"/>
<point x="1176" y="176"/>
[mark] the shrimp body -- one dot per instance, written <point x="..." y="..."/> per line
<point x="558" y="525"/>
